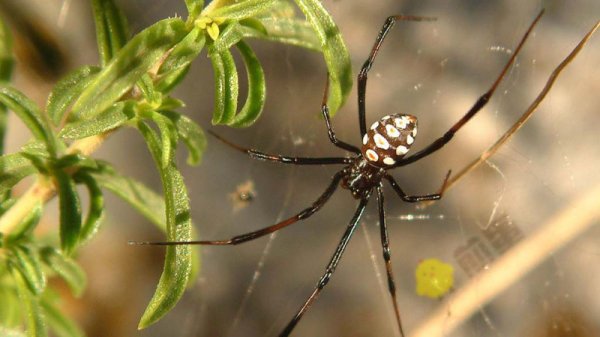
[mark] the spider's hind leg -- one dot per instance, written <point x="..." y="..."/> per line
<point x="335" y="259"/>
<point x="387" y="257"/>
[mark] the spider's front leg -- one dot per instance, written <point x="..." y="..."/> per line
<point x="236" y="240"/>
<point x="254" y="154"/>
<point x="479" y="104"/>
<point x="364" y="71"/>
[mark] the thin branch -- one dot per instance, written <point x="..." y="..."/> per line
<point x="569" y="223"/>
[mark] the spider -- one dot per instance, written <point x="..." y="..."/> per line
<point x="385" y="145"/>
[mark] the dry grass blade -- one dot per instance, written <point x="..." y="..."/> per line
<point x="570" y="222"/>
<point x="566" y="225"/>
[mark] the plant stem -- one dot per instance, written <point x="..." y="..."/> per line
<point x="44" y="188"/>
<point x="563" y="227"/>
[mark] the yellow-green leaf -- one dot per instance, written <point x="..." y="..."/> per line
<point x="334" y="51"/>
<point x="256" y="89"/>
<point x="136" y="58"/>
<point x="178" y="260"/>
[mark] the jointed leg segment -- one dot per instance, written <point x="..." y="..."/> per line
<point x="362" y="75"/>
<point x="479" y="104"/>
<point x="267" y="230"/>
<point x="335" y="259"/>
<point x="332" y="138"/>
<point x="387" y="257"/>
<point x="254" y="154"/>
<point x="417" y="198"/>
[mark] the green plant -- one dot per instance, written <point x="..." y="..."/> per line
<point x="131" y="88"/>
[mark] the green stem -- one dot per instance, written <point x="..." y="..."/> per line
<point x="44" y="189"/>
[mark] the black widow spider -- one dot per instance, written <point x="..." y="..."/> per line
<point x="384" y="146"/>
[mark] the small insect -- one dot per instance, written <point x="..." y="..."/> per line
<point x="244" y="194"/>
<point x="385" y="145"/>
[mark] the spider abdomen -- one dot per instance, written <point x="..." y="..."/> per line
<point x="389" y="139"/>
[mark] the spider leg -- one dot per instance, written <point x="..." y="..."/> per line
<point x="387" y="257"/>
<point x="254" y="154"/>
<point x="330" y="132"/>
<point x="417" y="198"/>
<point x="335" y="259"/>
<point x="479" y="104"/>
<point x="527" y="114"/>
<point x="264" y="231"/>
<point x="362" y="75"/>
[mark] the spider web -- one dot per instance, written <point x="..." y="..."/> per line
<point x="422" y="72"/>
<point x="433" y="70"/>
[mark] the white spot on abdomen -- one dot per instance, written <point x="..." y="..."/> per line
<point x="401" y="150"/>
<point x="392" y="132"/>
<point x="372" y="155"/>
<point x="400" y="123"/>
<point x="381" y="142"/>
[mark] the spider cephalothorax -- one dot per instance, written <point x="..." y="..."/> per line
<point x="360" y="177"/>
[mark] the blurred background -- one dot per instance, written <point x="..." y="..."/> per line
<point x="433" y="70"/>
